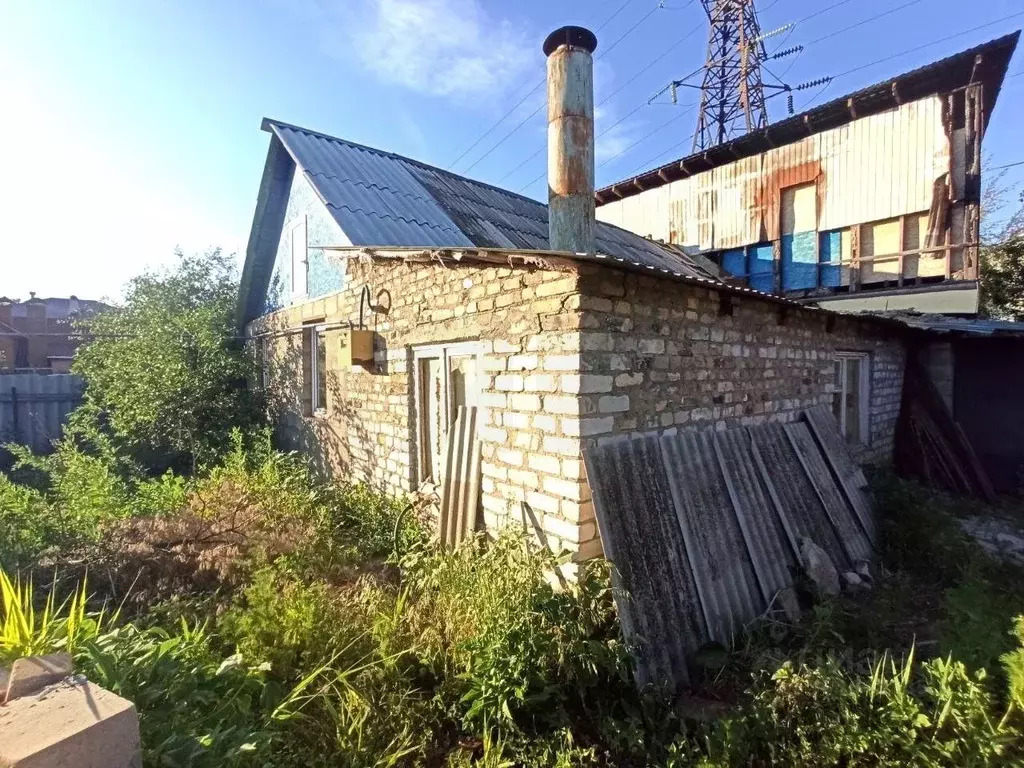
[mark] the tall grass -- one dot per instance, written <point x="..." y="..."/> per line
<point x="63" y="626"/>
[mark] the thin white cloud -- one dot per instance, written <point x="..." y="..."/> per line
<point x="610" y="143"/>
<point x="449" y="48"/>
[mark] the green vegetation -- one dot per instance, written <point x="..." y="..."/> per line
<point x="260" y="615"/>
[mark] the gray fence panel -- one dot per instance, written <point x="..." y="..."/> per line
<point x="34" y="407"/>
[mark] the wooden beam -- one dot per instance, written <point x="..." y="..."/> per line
<point x="903" y="244"/>
<point x="683" y="168"/>
<point x="896" y="94"/>
<point x="662" y="175"/>
<point x="808" y="126"/>
<point x="851" y="107"/>
<point x="637" y="184"/>
<point x="617" y="192"/>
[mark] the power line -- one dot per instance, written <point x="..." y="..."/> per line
<point x="862" y="23"/>
<point x="530" y="116"/>
<point x="629" y="31"/>
<point x="865" y="66"/>
<point x="1008" y="165"/>
<point x="490" y="130"/>
<point x="519" y="103"/>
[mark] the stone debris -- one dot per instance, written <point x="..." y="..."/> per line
<point x="854" y="583"/>
<point x="819" y="567"/>
<point x="1001" y="538"/>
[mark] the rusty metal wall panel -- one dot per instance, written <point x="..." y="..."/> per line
<point x="727" y="585"/>
<point x="884" y="165"/>
<point x="738" y="210"/>
<point x="684" y="212"/>
<point x="654" y="586"/>
<point x="875" y="168"/>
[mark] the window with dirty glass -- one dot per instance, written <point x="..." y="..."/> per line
<point x="851" y="396"/>
<point x="446" y="377"/>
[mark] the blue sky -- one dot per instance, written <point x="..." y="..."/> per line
<point x="132" y="127"/>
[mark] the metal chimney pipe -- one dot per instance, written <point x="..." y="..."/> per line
<point x="571" y="139"/>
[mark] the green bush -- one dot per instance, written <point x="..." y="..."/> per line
<point x="164" y="375"/>
<point x="519" y="651"/>
<point x="933" y="714"/>
<point x="197" y="707"/>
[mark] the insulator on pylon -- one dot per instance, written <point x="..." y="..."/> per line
<point x="789" y="102"/>
<point x="672" y="93"/>
<point x="812" y="83"/>
<point x="787" y="52"/>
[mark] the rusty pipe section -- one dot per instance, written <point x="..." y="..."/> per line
<point x="571" y="139"/>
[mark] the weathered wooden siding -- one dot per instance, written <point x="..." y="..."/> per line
<point x="875" y="168"/>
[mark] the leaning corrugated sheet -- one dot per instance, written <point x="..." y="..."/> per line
<point x="704" y="539"/>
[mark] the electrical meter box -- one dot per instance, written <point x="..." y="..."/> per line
<point x="355" y="346"/>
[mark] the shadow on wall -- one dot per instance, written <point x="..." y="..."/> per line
<point x="336" y="440"/>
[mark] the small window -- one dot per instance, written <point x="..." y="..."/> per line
<point x="446" y="377"/>
<point x="300" y="259"/>
<point x="316" y="367"/>
<point x="851" y="396"/>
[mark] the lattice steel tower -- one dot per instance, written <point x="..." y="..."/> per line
<point x="732" y="93"/>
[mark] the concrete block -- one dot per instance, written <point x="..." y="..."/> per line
<point x="31" y="674"/>
<point x="71" y="724"/>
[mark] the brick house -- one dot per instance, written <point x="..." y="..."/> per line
<point x="38" y="333"/>
<point x="474" y="297"/>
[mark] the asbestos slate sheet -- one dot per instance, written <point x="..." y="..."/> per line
<point x="715" y="546"/>
<point x="703" y="530"/>
<point x="654" y="587"/>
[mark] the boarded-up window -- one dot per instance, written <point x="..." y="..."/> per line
<point x="799" y="239"/>
<point x="915" y="237"/>
<point x="446" y="378"/>
<point x="878" y="239"/>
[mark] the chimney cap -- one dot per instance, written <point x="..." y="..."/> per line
<point x="578" y="37"/>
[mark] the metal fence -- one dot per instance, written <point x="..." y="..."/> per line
<point x="34" y="407"/>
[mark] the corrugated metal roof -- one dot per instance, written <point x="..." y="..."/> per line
<point x="704" y="537"/>
<point x="967" y="326"/>
<point x="382" y="199"/>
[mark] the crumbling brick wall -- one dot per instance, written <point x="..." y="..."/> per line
<point x="527" y="324"/>
<point x="661" y="353"/>
<point x="566" y="357"/>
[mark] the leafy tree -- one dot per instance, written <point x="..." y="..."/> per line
<point x="164" y="373"/>
<point x="1002" y="279"/>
